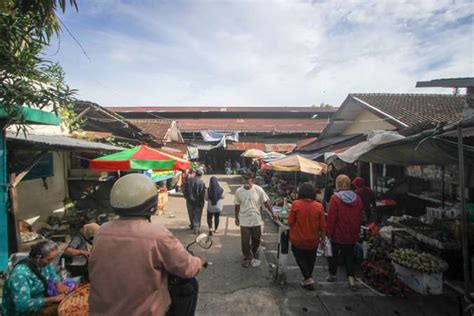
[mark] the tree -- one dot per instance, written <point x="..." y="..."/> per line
<point x="26" y="76"/>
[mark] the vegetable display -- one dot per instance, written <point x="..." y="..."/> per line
<point x="418" y="261"/>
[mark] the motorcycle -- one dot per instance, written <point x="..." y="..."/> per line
<point x="184" y="292"/>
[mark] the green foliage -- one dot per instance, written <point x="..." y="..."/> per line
<point x="26" y="76"/>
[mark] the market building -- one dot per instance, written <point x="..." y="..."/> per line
<point x="222" y="133"/>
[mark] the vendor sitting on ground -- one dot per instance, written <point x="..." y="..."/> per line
<point x="26" y="288"/>
<point x="80" y="246"/>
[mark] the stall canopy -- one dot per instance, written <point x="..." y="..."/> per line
<point x="29" y="115"/>
<point x="421" y="149"/>
<point x="272" y="156"/>
<point x="253" y="153"/>
<point x="139" y="158"/>
<point x="297" y="163"/>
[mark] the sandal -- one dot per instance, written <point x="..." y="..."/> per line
<point x="308" y="287"/>
<point x="246" y="264"/>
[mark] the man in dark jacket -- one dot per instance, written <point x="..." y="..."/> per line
<point x="194" y="192"/>
<point x="367" y="196"/>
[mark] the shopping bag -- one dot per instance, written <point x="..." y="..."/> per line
<point x="327" y="248"/>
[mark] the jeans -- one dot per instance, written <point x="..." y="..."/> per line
<point x="250" y="238"/>
<point x="347" y="252"/>
<point x="195" y="214"/>
<point x="305" y="259"/>
<point x="216" y="219"/>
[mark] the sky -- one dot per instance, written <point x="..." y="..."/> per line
<point x="262" y="53"/>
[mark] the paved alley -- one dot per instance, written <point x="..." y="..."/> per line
<point x="228" y="289"/>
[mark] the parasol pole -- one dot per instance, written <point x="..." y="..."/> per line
<point x="465" y="249"/>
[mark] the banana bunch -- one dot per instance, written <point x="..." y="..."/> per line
<point x="418" y="261"/>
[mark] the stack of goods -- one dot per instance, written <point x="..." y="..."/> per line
<point x="440" y="238"/>
<point x="378" y="249"/>
<point x="418" y="261"/>
<point x="381" y="275"/>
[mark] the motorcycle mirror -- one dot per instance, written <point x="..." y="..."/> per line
<point x="204" y="241"/>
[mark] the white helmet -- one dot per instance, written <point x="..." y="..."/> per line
<point x="134" y="195"/>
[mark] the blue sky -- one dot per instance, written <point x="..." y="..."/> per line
<point x="265" y="53"/>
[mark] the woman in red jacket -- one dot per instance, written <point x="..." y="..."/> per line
<point x="343" y="227"/>
<point x="307" y="223"/>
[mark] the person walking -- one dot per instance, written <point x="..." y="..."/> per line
<point x="215" y="195"/>
<point x="367" y="196"/>
<point x="132" y="258"/>
<point x="195" y="193"/>
<point x="248" y="200"/>
<point x="343" y="227"/>
<point x="307" y="229"/>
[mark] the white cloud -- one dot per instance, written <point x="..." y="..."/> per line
<point x="264" y="52"/>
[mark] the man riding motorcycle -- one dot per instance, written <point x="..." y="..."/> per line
<point x="132" y="257"/>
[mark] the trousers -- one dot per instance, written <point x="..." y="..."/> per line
<point x="195" y="215"/>
<point x="305" y="259"/>
<point x="216" y="217"/>
<point x="250" y="238"/>
<point x="347" y="252"/>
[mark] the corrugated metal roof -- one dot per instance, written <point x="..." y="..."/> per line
<point x="253" y="125"/>
<point x="280" y="148"/>
<point x="243" y="146"/>
<point x="184" y="109"/>
<point x="37" y="142"/>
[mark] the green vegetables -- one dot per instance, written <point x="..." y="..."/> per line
<point x="418" y="261"/>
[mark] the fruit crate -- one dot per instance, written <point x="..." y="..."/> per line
<point x="420" y="282"/>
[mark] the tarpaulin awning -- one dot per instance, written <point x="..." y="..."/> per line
<point x="140" y="158"/>
<point x="377" y="138"/>
<point x="298" y="163"/>
<point x="272" y="156"/>
<point x="281" y="148"/>
<point x="30" y="115"/>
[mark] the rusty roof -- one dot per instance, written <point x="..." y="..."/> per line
<point x="156" y="127"/>
<point x="280" y="148"/>
<point x="243" y="146"/>
<point x="184" y="109"/>
<point x="253" y="125"/>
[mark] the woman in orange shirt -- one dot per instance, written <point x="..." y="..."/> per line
<point x="308" y="228"/>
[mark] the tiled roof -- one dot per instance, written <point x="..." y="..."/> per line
<point x="254" y="125"/>
<point x="184" y="109"/>
<point x="280" y="148"/>
<point x="243" y="146"/>
<point x="156" y="127"/>
<point x="413" y="109"/>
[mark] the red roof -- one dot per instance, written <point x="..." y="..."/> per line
<point x="280" y="148"/>
<point x="242" y="146"/>
<point x="184" y="109"/>
<point x="252" y="125"/>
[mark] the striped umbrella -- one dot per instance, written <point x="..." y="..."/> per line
<point x="139" y="158"/>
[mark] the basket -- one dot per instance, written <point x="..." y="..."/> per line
<point x="77" y="303"/>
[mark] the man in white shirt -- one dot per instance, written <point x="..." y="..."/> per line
<point x="248" y="200"/>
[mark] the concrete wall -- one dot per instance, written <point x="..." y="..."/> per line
<point x="34" y="199"/>
<point x="367" y="121"/>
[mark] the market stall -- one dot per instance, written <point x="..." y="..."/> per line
<point x="282" y="193"/>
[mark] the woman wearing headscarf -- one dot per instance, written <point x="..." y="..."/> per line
<point x="28" y="287"/>
<point x="215" y="195"/>
<point x="343" y="227"/>
<point x="79" y="249"/>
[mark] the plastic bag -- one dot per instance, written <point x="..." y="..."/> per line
<point x="327" y="248"/>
